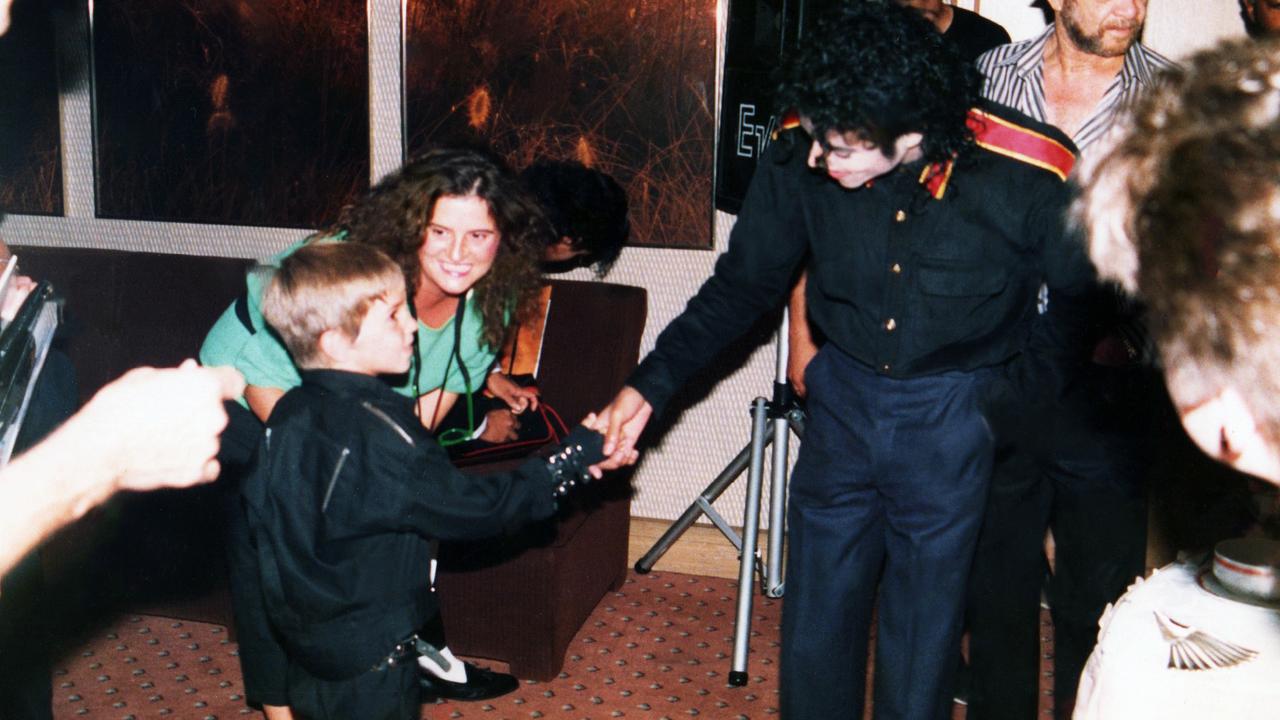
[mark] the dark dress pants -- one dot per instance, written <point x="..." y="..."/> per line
<point x="1085" y="481"/>
<point x="889" y="489"/>
<point x="388" y="694"/>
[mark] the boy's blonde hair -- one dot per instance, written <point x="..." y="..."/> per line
<point x="326" y="286"/>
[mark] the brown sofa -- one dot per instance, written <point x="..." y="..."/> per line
<point x="159" y="552"/>
<point x="524" y="602"/>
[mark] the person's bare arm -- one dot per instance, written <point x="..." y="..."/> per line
<point x="500" y="425"/>
<point x="517" y="397"/>
<point x="262" y="400"/>
<point x="148" y="429"/>
<point x="801" y="348"/>
<point x="434" y="405"/>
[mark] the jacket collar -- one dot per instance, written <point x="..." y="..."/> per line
<point x="346" y="382"/>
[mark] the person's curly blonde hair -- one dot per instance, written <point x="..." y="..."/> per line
<point x="1184" y="211"/>
<point x="394" y="216"/>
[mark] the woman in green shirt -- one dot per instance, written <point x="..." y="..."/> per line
<point x="464" y="233"/>
<point x="468" y="240"/>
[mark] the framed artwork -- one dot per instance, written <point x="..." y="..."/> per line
<point x="231" y="112"/>
<point x="626" y="88"/>
<point x="30" y="135"/>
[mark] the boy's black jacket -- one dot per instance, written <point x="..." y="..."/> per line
<point x="347" y="493"/>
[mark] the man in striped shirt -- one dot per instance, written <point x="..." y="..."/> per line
<point x="1076" y="467"/>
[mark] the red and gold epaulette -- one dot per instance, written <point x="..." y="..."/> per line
<point x="790" y="120"/>
<point x="1006" y="138"/>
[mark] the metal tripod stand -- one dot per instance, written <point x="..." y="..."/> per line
<point x="772" y="421"/>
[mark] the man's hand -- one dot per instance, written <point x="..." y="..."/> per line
<point x="500" y="425"/>
<point x="20" y="286"/>
<point x="799" y="356"/>
<point x="148" y="429"/>
<point x="622" y="421"/>
<point x="160" y="428"/>
<point x="517" y="397"/>
<point x="801" y="347"/>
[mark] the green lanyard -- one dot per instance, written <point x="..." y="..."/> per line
<point x="454" y="436"/>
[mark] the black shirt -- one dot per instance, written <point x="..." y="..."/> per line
<point x="973" y="34"/>
<point x="908" y="284"/>
<point x="348" y="492"/>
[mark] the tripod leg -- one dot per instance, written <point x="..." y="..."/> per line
<point x="695" y="509"/>
<point x="777" y="507"/>
<point x="750" y="535"/>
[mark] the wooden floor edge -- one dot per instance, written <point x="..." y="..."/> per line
<point x="701" y="550"/>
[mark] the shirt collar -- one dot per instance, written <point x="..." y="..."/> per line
<point x="1027" y="61"/>
<point x="1136" y="69"/>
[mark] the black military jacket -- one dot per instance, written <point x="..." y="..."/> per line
<point x="928" y="269"/>
<point x="347" y="493"/>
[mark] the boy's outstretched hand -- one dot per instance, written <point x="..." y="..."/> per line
<point x="590" y="422"/>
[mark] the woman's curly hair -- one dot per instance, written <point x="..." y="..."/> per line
<point x="394" y="216"/>
<point x="880" y="70"/>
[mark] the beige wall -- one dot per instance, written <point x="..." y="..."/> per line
<point x="1018" y="17"/>
<point x="1177" y="28"/>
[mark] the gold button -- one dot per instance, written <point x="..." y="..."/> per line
<point x="900" y="215"/>
<point x="890" y="324"/>
<point x="897" y="269"/>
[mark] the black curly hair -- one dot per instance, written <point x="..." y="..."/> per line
<point x="583" y="204"/>
<point x="878" y="69"/>
<point x="394" y="216"/>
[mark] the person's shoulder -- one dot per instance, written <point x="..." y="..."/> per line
<point x="785" y="159"/>
<point x="1005" y="56"/>
<point x="787" y="142"/>
<point x="358" y="413"/>
<point x="390" y="418"/>
<point x="971" y="22"/>
<point x="298" y="406"/>
<point x="1015" y="136"/>
<point x="1153" y="61"/>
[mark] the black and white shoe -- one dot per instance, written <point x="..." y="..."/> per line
<point x="481" y="684"/>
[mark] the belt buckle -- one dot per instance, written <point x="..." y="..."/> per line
<point x="405" y="649"/>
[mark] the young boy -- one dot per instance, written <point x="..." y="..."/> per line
<point x="349" y="490"/>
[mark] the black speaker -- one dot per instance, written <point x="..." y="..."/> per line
<point x="759" y="34"/>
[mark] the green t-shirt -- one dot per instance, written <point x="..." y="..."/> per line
<point x="264" y="361"/>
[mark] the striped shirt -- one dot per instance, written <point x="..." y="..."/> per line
<point x="1014" y="76"/>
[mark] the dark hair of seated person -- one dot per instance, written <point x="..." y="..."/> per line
<point x="585" y="206"/>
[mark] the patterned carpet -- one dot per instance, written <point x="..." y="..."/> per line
<point x="659" y="648"/>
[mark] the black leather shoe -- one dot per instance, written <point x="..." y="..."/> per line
<point x="481" y="684"/>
